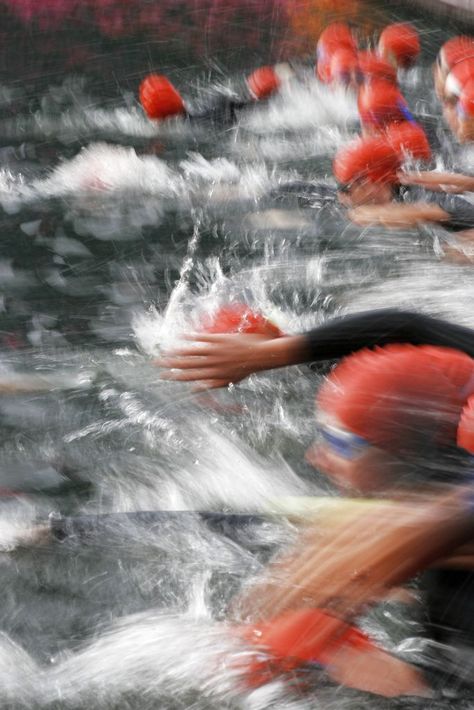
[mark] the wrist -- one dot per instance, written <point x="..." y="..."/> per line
<point x="283" y="351"/>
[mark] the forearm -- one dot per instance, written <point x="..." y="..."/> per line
<point x="434" y="179"/>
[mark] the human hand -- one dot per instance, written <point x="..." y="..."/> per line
<point x="216" y="360"/>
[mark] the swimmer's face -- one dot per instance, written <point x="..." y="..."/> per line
<point x="352" y="464"/>
<point x="465" y="129"/>
<point x="365" y="192"/>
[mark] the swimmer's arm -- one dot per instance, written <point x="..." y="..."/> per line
<point x="371" y="554"/>
<point x="433" y="180"/>
<point x="398" y="215"/>
<point x="217" y="360"/>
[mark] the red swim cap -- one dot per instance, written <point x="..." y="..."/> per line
<point x="410" y="138"/>
<point x="374" y="67"/>
<point x="159" y="98"/>
<point x="381" y="103"/>
<point x="455" y="50"/>
<point x="336" y="36"/>
<point x="459" y="76"/>
<point x="263" y="82"/>
<point x="372" y="159"/>
<point x="400" y="42"/>
<point x="239" y="318"/>
<point x="401" y="396"/>
<point x="296" y="638"/>
<point x="344" y="66"/>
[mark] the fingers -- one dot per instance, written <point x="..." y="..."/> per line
<point x="188" y="373"/>
<point x="182" y="362"/>
<point x="210" y="385"/>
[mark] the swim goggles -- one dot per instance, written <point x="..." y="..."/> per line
<point x="344" y="443"/>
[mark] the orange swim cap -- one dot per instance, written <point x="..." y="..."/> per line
<point x="159" y="98"/>
<point x="455" y="50"/>
<point x="381" y="103"/>
<point x="400" y="43"/>
<point x="372" y="159"/>
<point x="374" y="67"/>
<point x="263" y="82"/>
<point x="239" y="318"/>
<point x="410" y="138"/>
<point x="400" y="397"/>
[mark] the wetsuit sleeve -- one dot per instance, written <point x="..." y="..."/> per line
<point x="342" y="336"/>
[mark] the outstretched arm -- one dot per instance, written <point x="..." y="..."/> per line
<point x="442" y="182"/>
<point x="217" y="360"/>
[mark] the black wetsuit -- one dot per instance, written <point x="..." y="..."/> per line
<point x="341" y="336"/>
<point x="460" y="210"/>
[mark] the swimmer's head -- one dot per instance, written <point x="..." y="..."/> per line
<point x="367" y="171"/>
<point x="335" y="36"/>
<point x="381" y="103"/>
<point x="399" y="44"/>
<point x="461" y="74"/>
<point x="409" y="139"/>
<point x="159" y="98"/>
<point x="380" y="413"/>
<point x="451" y="53"/>
<point x="263" y="82"/>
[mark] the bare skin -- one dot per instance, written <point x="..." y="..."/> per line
<point x="398" y="215"/>
<point x="219" y="360"/>
<point x="438" y="181"/>
<point x="369" y="554"/>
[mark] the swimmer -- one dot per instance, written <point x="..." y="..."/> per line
<point x="399" y="44"/>
<point x="451" y="53"/>
<point x="161" y="100"/>
<point x="376" y="191"/>
<point x="217" y="360"/>
<point x="458" y="100"/>
<point x="367" y="446"/>
<point x="333" y="38"/>
<point x="394" y="422"/>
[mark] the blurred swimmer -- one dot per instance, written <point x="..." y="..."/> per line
<point x="216" y="360"/>
<point x="399" y="44"/>
<point x="344" y="68"/>
<point x="399" y="415"/>
<point x="334" y="37"/>
<point x="381" y="103"/>
<point x="453" y="51"/>
<point x="161" y="100"/>
<point x="368" y="171"/>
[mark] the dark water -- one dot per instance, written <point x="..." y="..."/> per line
<point x="115" y="234"/>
